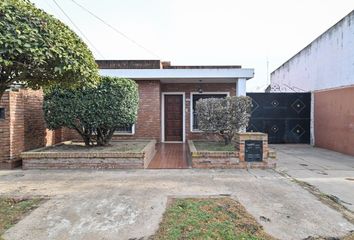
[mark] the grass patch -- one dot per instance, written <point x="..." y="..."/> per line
<point x="213" y="146"/>
<point x="13" y="210"/>
<point x="113" y="147"/>
<point x="209" y="218"/>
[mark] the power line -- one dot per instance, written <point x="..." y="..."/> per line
<point x="72" y="22"/>
<point x="115" y="29"/>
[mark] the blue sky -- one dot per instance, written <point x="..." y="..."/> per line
<point x="197" y="32"/>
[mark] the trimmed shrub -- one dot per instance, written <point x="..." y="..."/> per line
<point x="94" y="112"/>
<point x="224" y="116"/>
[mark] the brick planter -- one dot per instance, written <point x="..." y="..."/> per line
<point x="212" y="159"/>
<point x="236" y="159"/>
<point x="89" y="160"/>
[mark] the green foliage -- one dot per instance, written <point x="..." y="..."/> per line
<point x="225" y="116"/>
<point x="214" y="218"/>
<point x="38" y="50"/>
<point x="13" y="210"/>
<point x="97" y="110"/>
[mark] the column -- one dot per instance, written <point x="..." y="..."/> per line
<point x="241" y="87"/>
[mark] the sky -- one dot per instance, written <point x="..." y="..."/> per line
<point x="251" y="33"/>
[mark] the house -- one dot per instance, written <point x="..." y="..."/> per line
<point x="168" y="95"/>
<point x="325" y="68"/>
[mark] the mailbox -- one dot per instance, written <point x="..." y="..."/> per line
<point x="253" y="151"/>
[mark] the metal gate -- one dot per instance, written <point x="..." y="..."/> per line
<point x="284" y="116"/>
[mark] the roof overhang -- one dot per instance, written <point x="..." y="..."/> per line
<point x="182" y="75"/>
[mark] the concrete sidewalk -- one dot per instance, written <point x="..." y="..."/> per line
<point x="331" y="172"/>
<point x="129" y="204"/>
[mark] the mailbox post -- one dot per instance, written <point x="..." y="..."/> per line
<point x="252" y="146"/>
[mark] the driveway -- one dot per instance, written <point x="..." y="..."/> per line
<point x="331" y="172"/>
<point x="129" y="204"/>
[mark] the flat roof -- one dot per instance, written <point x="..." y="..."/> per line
<point x="210" y="73"/>
<point x="164" y="71"/>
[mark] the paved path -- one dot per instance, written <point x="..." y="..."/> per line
<point x="129" y="204"/>
<point x="331" y="172"/>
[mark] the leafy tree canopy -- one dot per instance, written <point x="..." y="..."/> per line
<point x="37" y="49"/>
<point x="225" y="116"/>
<point x="94" y="112"/>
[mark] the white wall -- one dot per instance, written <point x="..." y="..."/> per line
<point x="327" y="62"/>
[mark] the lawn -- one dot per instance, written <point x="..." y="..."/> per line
<point x="13" y="210"/>
<point x="213" y="146"/>
<point x="128" y="146"/>
<point x="209" y="218"/>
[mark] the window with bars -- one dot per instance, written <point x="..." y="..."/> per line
<point x="128" y="130"/>
<point x="195" y="98"/>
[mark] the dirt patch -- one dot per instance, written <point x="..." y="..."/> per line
<point x="13" y="210"/>
<point x="208" y="218"/>
<point x="136" y="146"/>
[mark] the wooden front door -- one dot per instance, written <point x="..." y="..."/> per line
<point x="173" y="118"/>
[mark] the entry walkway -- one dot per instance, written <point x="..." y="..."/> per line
<point x="170" y="155"/>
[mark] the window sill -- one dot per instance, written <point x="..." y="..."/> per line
<point x="196" y="131"/>
<point x="123" y="134"/>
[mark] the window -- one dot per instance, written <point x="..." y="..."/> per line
<point x="2" y="113"/>
<point x="129" y="130"/>
<point x="194" y="98"/>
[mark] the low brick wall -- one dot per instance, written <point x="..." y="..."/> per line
<point x="236" y="159"/>
<point x="92" y="160"/>
<point x="207" y="159"/>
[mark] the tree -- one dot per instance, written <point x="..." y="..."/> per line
<point x="37" y="50"/>
<point x="225" y="116"/>
<point x="94" y="112"/>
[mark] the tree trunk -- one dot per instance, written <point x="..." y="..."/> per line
<point x="85" y="134"/>
<point x="87" y="140"/>
<point x="228" y="138"/>
<point x="104" y="136"/>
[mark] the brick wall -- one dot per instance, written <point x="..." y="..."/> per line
<point x="334" y="120"/>
<point x="192" y="87"/>
<point x="5" y="133"/>
<point x="12" y="130"/>
<point x="129" y="64"/>
<point x="17" y="132"/>
<point x="24" y="127"/>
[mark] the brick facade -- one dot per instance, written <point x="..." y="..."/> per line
<point x="187" y="88"/>
<point x="24" y="127"/>
<point x="148" y="125"/>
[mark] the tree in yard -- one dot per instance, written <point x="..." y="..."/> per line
<point x="225" y="116"/>
<point x="94" y="112"/>
<point x="37" y="50"/>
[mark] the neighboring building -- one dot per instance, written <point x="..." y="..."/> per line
<point x="326" y="68"/>
<point x="168" y="94"/>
